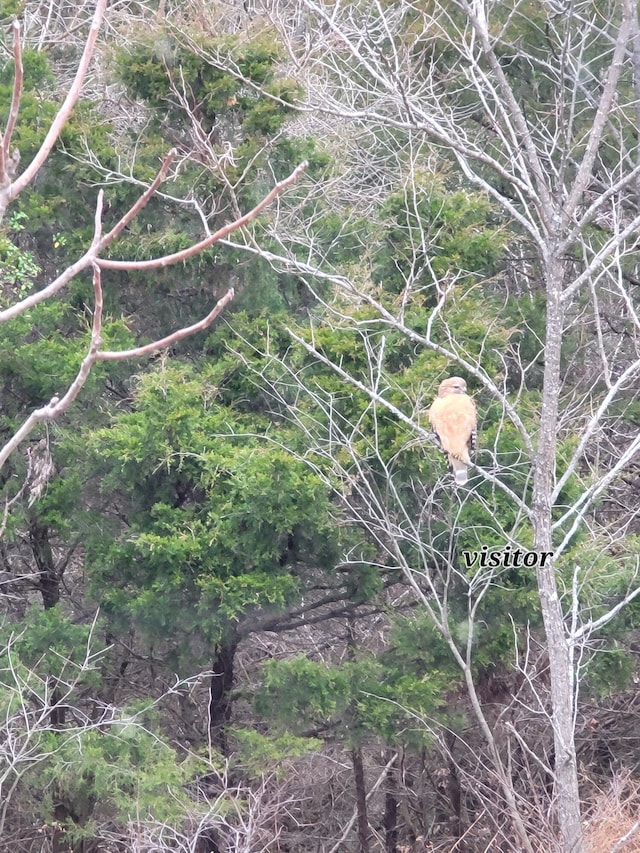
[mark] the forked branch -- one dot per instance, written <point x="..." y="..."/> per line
<point x="58" y="405"/>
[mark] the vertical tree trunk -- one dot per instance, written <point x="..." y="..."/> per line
<point x="49" y="585"/>
<point x="561" y="669"/>
<point x="220" y="687"/>
<point x="48" y="578"/>
<point x="356" y="759"/>
<point x="390" y="819"/>
<point x="361" y="800"/>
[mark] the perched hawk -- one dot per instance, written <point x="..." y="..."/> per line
<point x="453" y="417"/>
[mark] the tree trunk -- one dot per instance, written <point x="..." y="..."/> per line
<point x="361" y="800"/>
<point x="220" y="687"/>
<point x="561" y="669"/>
<point x="49" y="586"/>
<point x="48" y="577"/>
<point x="390" y="819"/>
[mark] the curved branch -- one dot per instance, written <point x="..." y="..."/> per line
<point x="58" y="405"/>
<point x="5" y="139"/>
<point x="67" y="106"/>
<point x="169" y="340"/>
<point x="205" y="244"/>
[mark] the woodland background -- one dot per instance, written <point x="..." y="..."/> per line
<point x="235" y="614"/>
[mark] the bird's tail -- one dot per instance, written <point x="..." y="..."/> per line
<point x="459" y="470"/>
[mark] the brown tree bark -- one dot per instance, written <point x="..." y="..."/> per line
<point x="361" y="800"/>
<point x="220" y="686"/>
<point x="49" y="585"/>
<point x="48" y="578"/>
<point x="390" y="819"/>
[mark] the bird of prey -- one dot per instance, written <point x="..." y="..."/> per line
<point x="453" y="418"/>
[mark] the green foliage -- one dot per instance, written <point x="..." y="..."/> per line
<point x="41" y="351"/>
<point x="392" y="695"/>
<point x="10" y="9"/>
<point x="303" y="692"/>
<point x="50" y="636"/>
<point x="61" y="200"/>
<point x="48" y="642"/>
<point x="202" y="513"/>
<point x="216" y="515"/>
<point x="36" y="69"/>
<point x="610" y="670"/>
<point x="452" y="230"/>
<point x="18" y="267"/>
<point x="213" y="79"/>
<point x="119" y="771"/>
<point x="602" y="573"/>
<point x="258" y="754"/>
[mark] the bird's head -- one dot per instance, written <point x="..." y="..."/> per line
<point x="453" y="385"/>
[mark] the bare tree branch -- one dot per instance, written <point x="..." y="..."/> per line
<point x="98" y="244"/>
<point x="9" y="193"/>
<point x="7" y="166"/>
<point x="58" y="405"/>
<point x="209" y="241"/>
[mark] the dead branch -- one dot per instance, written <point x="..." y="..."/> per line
<point x="8" y="164"/>
<point x="13" y="189"/>
<point x="58" y="405"/>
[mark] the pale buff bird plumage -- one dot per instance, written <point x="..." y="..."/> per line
<point x="453" y="418"/>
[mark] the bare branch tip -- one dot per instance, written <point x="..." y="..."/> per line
<point x="168" y="160"/>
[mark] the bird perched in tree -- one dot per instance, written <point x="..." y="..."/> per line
<point x="453" y="417"/>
